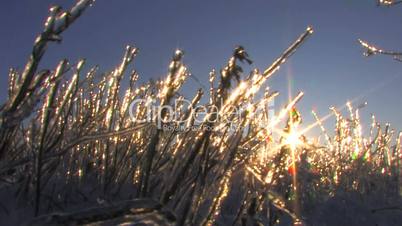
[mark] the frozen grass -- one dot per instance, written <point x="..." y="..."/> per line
<point x="67" y="141"/>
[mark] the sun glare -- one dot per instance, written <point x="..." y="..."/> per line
<point x="293" y="139"/>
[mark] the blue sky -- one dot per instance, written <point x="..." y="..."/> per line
<point x="329" y="68"/>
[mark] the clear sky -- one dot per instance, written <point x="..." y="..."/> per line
<point x="329" y="68"/>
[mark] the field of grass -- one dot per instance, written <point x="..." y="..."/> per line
<point x="71" y="139"/>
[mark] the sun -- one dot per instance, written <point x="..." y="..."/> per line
<point x="293" y="138"/>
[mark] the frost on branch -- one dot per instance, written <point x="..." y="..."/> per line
<point x="373" y="50"/>
<point x="387" y="2"/>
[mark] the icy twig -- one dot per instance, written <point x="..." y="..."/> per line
<point x="373" y="50"/>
